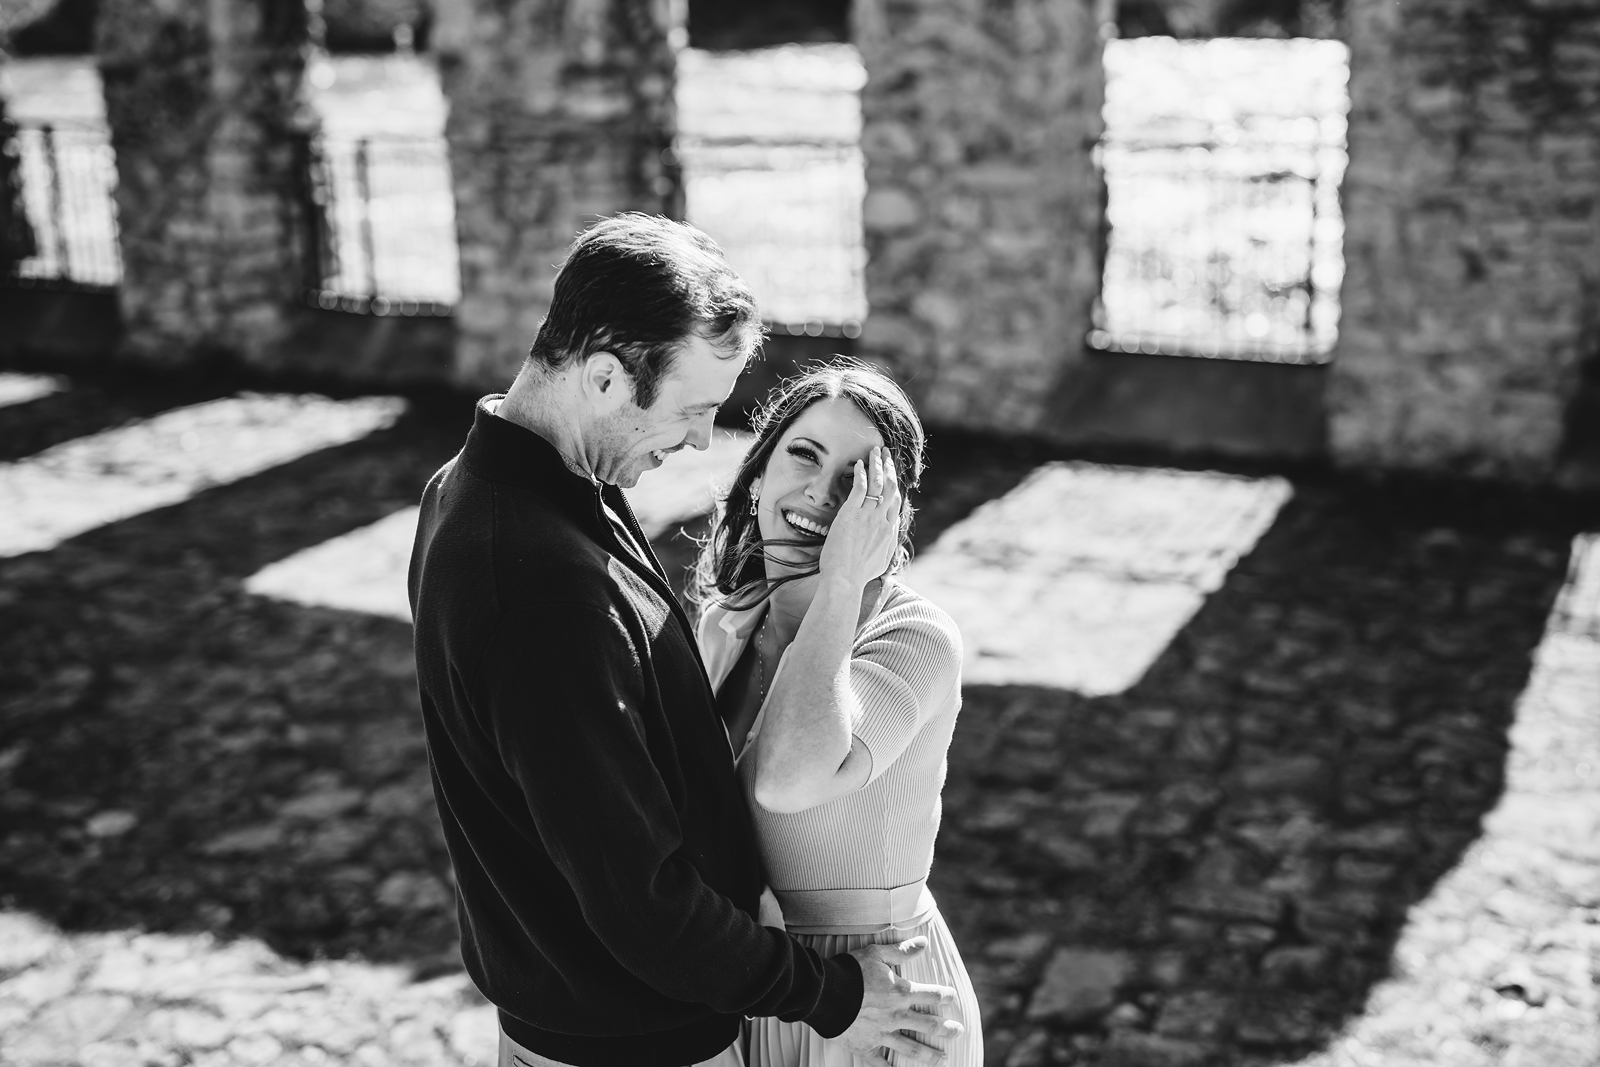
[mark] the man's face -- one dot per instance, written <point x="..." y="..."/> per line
<point x="632" y="440"/>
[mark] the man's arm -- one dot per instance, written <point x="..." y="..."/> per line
<point x="561" y="692"/>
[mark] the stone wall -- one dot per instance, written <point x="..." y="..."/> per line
<point x="560" y="112"/>
<point x="1472" y="208"/>
<point x="203" y="102"/>
<point x="983" y="209"/>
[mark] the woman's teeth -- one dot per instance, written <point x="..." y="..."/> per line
<point x="800" y="522"/>
<point x="660" y="454"/>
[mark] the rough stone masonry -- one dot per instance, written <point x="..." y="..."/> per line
<point x="560" y="112"/>
<point x="1472" y="241"/>
<point x="203" y="102"/>
<point x="983" y="207"/>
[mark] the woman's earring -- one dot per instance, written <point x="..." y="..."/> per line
<point x="753" y="505"/>
<point x="755" y="496"/>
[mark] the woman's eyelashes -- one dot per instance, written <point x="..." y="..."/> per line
<point x="805" y="455"/>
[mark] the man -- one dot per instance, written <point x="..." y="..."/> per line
<point x="605" y="861"/>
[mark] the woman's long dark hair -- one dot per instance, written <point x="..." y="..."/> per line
<point x="730" y="569"/>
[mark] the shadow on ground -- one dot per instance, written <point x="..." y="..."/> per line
<point x="1234" y="841"/>
<point x="1217" y="862"/>
<point x="180" y="755"/>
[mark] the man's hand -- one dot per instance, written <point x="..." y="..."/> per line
<point x="890" y="1004"/>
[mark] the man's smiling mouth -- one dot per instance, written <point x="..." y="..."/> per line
<point x="660" y="454"/>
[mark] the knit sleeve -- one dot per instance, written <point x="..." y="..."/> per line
<point x="904" y="665"/>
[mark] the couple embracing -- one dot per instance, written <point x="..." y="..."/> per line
<point x="678" y="844"/>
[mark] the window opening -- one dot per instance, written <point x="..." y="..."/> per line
<point x="60" y="145"/>
<point x="770" y="141"/>
<point x="380" y="206"/>
<point x="1222" y="161"/>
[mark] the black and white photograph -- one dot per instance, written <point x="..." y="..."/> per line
<point x="799" y="533"/>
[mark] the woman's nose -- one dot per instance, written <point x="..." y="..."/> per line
<point x="824" y="491"/>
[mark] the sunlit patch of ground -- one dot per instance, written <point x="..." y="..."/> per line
<point x="90" y="481"/>
<point x="163" y="1000"/>
<point x="365" y="570"/>
<point x="1080" y="576"/>
<point x="22" y="388"/>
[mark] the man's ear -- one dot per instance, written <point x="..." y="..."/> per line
<point x="605" y="382"/>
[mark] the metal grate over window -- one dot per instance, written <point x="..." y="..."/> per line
<point x="382" y="219"/>
<point x="1222" y="161"/>
<point x="769" y="143"/>
<point x="65" y="175"/>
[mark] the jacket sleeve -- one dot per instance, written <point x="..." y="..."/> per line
<point x="562" y="689"/>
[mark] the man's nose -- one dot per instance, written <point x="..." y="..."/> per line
<point x="700" y="433"/>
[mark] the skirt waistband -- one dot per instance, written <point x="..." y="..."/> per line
<point x="855" y="911"/>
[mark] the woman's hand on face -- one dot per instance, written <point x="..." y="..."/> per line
<point x="865" y="533"/>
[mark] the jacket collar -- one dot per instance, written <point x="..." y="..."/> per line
<point x="508" y="454"/>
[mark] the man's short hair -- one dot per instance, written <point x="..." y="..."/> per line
<point x="638" y="286"/>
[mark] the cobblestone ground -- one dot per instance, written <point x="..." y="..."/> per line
<point x="1348" y="816"/>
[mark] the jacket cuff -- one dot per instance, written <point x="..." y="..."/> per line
<point x="840" y="1001"/>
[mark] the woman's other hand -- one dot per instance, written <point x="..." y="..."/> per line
<point x="865" y="534"/>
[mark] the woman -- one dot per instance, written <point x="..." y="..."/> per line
<point x="839" y="686"/>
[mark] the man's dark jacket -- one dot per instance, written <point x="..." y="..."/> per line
<point x="605" y="861"/>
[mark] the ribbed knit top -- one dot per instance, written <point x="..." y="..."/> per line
<point x="905" y="670"/>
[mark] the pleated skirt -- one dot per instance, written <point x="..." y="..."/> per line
<point x="774" y="1043"/>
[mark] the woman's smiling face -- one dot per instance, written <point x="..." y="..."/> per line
<point x="808" y="476"/>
